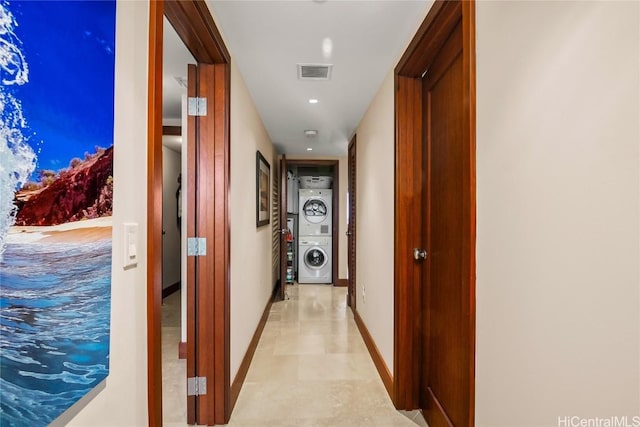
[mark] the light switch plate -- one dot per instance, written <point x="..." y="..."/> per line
<point x="130" y="247"/>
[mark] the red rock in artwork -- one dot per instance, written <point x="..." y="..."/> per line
<point x="83" y="192"/>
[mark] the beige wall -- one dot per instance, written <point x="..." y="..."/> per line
<point x="558" y="208"/>
<point x="375" y="219"/>
<point x="375" y="214"/>
<point x="558" y="212"/>
<point x="251" y="255"/>
<point x="342" y="206"/>
<point x="123" y="401"/>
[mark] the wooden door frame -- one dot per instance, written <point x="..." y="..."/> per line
<point x="352" y="228"/>
<point x="195" y="26"/>
<point x="410" y="181"/>
<point x="282" y="220"/>
<point x="335" y="222"/>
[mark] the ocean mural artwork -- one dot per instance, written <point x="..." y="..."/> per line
<point x="56" y="202"/>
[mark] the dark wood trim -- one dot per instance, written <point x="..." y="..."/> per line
<point x="212" y="285"/>
<point x="409" y="186"/>
<point x="172" y="130"/>
<point x="282" y="213"/>
<point x="352" y="227"/>
<point x="440" y="415"/>
<point x="194" y="24"/>
<point x="226" y="286"/>
<point x="336" y="204"/>
<point x="410" y="180"/>
<point x="335" y="221"/>
<point x="429" y="38"/>
<point x="342" y="283"/>
<point x="378" y="361"/>
<point x="154" y="214"/>
<point x="182" y="350"/>
<point x="238" y="381"/>
<point x="171" y="289"/>
<point x="222" y="362"/>
<point x="190" y="217"/>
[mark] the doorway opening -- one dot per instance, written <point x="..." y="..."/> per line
<point x="207" y="207"/>
<point x="309" y="218"/>
<point x="176" y="57"/>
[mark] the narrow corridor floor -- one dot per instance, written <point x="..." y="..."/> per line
<point x="312" y="368"/>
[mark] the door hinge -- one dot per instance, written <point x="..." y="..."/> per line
<point x="196" y="246"/>
<point x="196" y="386"/>
<point x="197" y="106"/>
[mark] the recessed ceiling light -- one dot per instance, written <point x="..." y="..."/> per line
<point x="309" y="149"/>
<point x="327" y="47"/>
<point x="313" y="101"/>
<point x="310" y="132"/>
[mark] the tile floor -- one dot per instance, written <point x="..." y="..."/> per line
<point x="311" y="368"/>
<point x="174" y="370"/>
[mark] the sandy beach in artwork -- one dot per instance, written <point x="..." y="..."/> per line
<point x="89" y="230"/>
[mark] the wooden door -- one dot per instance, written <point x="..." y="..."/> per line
<point x="351" y="226"/>
<point x="434" y="346"/>
<point x="207" y="273"/>
<point x="445" y="374"/>
<point x="283" y="227"/>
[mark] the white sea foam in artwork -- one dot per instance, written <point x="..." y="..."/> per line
<point x="17" y="158"/>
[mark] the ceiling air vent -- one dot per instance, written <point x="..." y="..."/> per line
<point x="314" y="71"/>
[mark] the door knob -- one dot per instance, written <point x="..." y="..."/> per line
<point x="348" y="233"/>
<point x="419" y="254"/>
<point x="284" y="230"/>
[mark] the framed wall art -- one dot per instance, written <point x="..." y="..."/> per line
<point x="263" y="186"/>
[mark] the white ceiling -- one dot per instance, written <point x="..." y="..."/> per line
<point x="267" y="39"/>
<point x="175" y="58"/>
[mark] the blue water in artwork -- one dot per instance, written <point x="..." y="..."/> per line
<point x="55" y="327"/>
<point x="56" y="102"/>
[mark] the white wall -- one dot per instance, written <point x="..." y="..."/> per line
<point x="171" y="168"/>
<point x="558" y="207"/>
<point x="342" y="207"/>
<point x="375" y="219"/>
<point x="123" y="401"/>
<point x="251" y="255"/>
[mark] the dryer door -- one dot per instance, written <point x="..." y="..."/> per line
<point x="315" y="210"/>
<point x="315" y="258"/>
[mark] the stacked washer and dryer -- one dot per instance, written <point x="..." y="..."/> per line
<point x="315" y="230"/>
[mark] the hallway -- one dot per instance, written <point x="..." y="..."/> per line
<point x="311" y="368"/>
